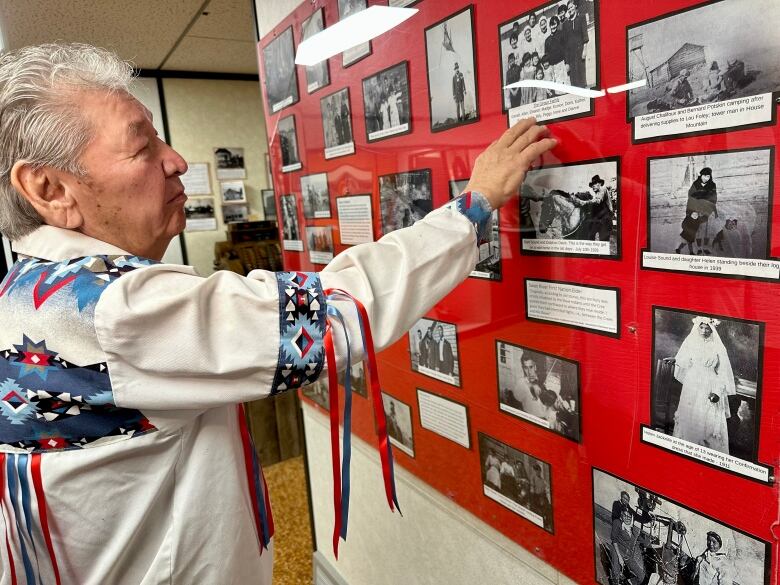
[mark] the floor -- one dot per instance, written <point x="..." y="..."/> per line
<point x="292" y="541"/>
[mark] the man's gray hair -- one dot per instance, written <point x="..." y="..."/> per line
<point x="40" y="120"/>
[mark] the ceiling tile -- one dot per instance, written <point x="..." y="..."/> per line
<point x="224" y="56"/>
<point x="227" y="19"/>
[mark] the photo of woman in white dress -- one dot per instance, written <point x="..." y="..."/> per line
<point x="703" y="367"/>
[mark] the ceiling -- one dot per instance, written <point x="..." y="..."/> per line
<point x="185" y="35"/>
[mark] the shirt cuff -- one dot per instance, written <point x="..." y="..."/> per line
<point x="477" y="209"/>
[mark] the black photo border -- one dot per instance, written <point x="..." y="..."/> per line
<point x="597" y="30"/>
<point x="411" y="423"/>
<point x="470" y="9"/>
<point x="549" y="467"/>
<point x="578" y="438"/>
<point x="303" y="207"/>
<point x="615" y="289"/>
<point x="405" y="64"/>
<point x="297" y="218"/>
<point x="297" y="96"/>
<point x="379" y="191"/>
<point x="265" y="208"/>
<point x="770" y="205"/>
<point x="457" y="359"/>
<point x="594" y="469"/>
<point x="327" y="61"/>
<point x="359" y="59"/>
<point x="630" y="120"/>
<point x="295" y="131"/>
<point x="465" y="408"/>
<point x="759" y="393"/>
<point x="500" y="245"/>
<point x="371" y="201"/>
<point x="619" y="255"/>
<point x="351" y="124"/>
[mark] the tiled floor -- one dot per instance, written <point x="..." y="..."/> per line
<point x="292" y="541"/>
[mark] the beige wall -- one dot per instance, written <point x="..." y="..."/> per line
<point x="202" y="115"/>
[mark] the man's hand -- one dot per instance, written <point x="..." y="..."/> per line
<point x="500" y="169"/>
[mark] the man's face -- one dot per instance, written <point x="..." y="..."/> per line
<point x="571" y="11"/>
<point x="553" y="26"/>
<point x="624" y="499"/>
<point x="438" y="333"/>
<point x="543" y="25"/>
<point x="705" y="178"/>
<point x="132" y="195"/>
<point x="597" y="187"/>
<point x="529" y="369"/>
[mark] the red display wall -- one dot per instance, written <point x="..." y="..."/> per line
<point x="615" y="371"/>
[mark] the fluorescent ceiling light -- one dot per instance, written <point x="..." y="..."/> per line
<point x="627" y="86"/>
<point x="559" y="87"/>
<point x="350" y="32"/>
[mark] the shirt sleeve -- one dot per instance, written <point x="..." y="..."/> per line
<point x="175" y="340"/>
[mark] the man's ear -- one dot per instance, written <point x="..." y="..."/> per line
<point x="50" y="192"/>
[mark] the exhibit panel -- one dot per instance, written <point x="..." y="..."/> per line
<point x="603" y="390"/>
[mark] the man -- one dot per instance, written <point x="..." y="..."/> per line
<point x="682" y="92"/>
<point x="624" y="503"/>
<point x="713" y="566"/>
<point x="346" y="129"/>
<point x="459" y="93"/>
<point x="443" y="360"/>
<point x="513" y="76"/>
<point x="626" y="563"/>
<point x="575" y="34"/>
<point x="125" y="432"/>
<point x="601" y="212"/>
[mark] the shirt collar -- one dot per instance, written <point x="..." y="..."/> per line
<point x="57" y="244"/>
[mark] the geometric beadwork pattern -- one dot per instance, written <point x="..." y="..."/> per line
<point x="302" y="318"/>
<point x="477" y="210"/>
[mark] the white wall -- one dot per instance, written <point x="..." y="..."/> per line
<point x="435" y="541"/>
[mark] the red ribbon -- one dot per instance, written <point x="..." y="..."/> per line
<point x="39" y="494"/>
<point x="333" y="395"/>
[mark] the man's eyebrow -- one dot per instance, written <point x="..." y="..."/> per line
<point x="136" y="127"/>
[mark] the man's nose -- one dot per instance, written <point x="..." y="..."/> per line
<point x="173" y="163"/>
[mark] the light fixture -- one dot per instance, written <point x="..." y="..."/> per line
<point x="350" y="32"/>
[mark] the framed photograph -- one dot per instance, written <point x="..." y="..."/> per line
<point x="489" y="262"/>
<point x="281" y="79"/>
<point x="705" y="400"/>
<point x="355" y="54"/>
<point x="557" y="42"/>
<point x="288" y="143"/>
<point x="402" y="3"/>
<point x="704" y="73"/>
<point x="235" y="213"/>
<point x="291" y="231"/>
<point x="399" y="423"/>
<point x="356" y="219"/>
<point x="317" y="76"/>
<point x="516" y="480"/>
<point x="337" y="124"/>
<point x="433" y="348"/>
<point x="318" y="393"/>
<point x="197" y="179"/>
<point x="644" y="537"/>
<point x="232" y="192"/>
<point x="404" y="198"/>
<point x="230" y="163"/>
<point x="199" y="214"/>
<point x="541" y="388"/>
<point x="269" y="204"/>
<point x="357" y="379"/>
<point x="452" y="71"/>
<point x="320" y="244"/>
<point x="315" y="194"/>
<point x="386" y="103"/>
<point x="574" y="210"/>
<point x="708" y="213"/>
<point x="444" y="417"/>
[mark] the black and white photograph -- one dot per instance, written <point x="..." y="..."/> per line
<point x="402" y="3"/>
<point x="317" y="392"/>
<point x="281" y="79"/>
<point x="540" y="388"/>
<point x="399" y="423"/>
<point x="320" y="240"/>
<point x="404" y="198"/>
<point x="707" y="68"/>
<point x="433" y="348"/>
<point x="199" y="214"/>
<point x="337" y="124"/>
<point x="291" y="232"/>
<point x="706" y="389"/>
<point x="517" y="481"/>
<point x="235" y="213"/>
<point x="489" y="259"/>
<point x="641" y="537"/>
<point x="288" y="143"/>
<point x="229" y="163"/>
<point x="452" y="71"/>
<point x="708" y="213"/>
<point x="357" y="379"/>
<point x="353" y="55"/>
<point x="572" y="210"/>
<point x="317" y="76"/>
<point x="269" y="204"/>
<point x="232" y="192"/>
<point x="386" y="103"/>
<point x="316" y="197"/>
<point x="556" y="42"/>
